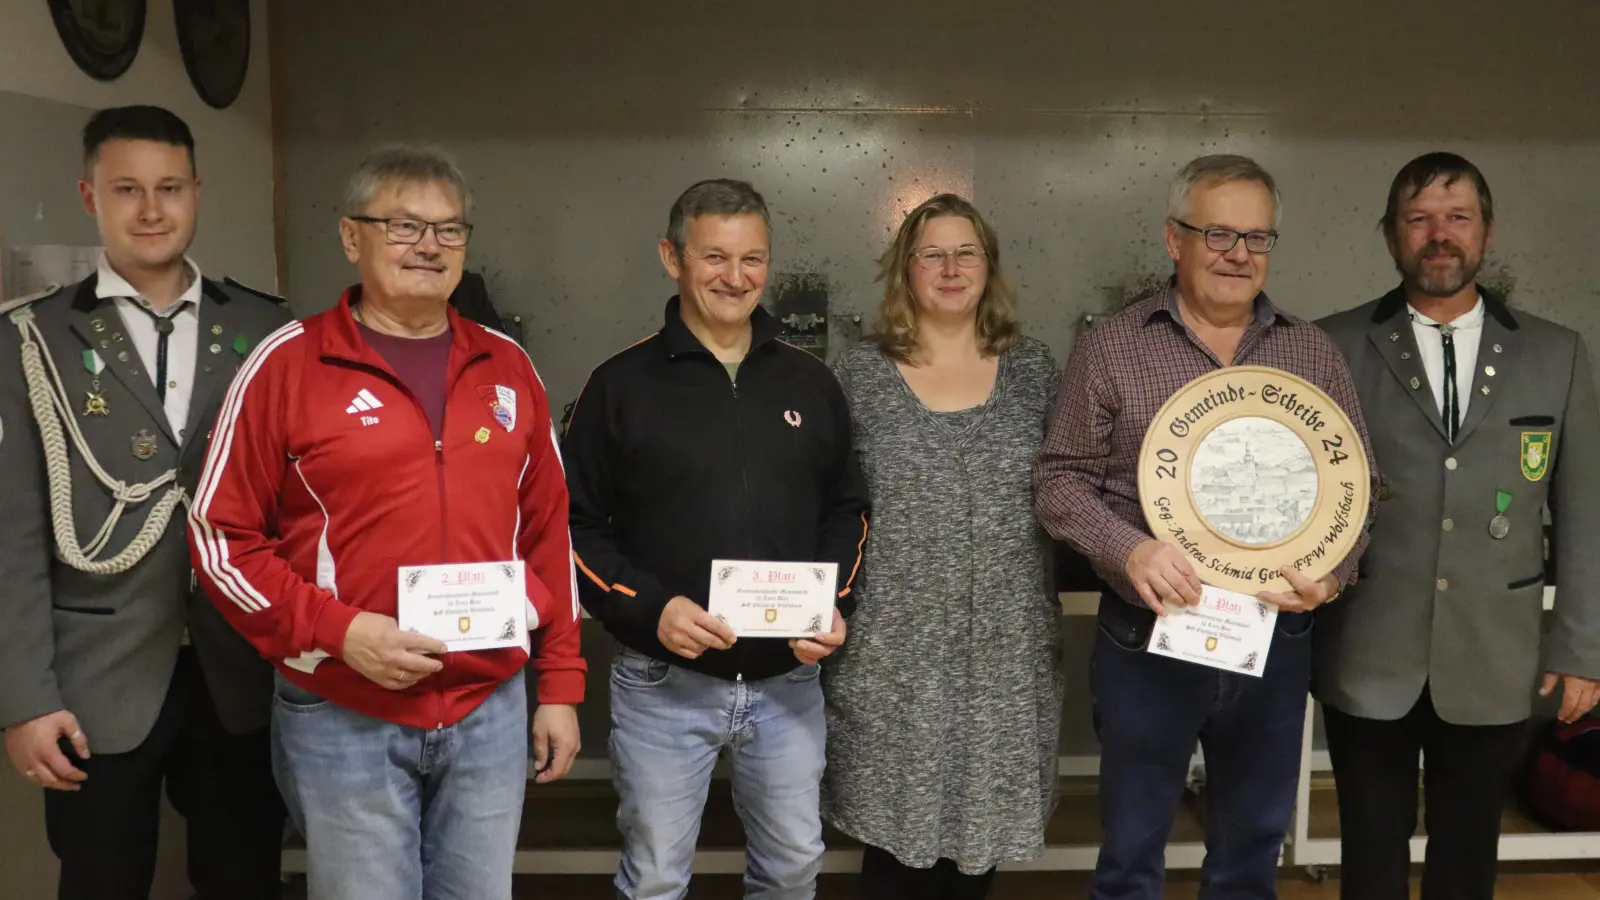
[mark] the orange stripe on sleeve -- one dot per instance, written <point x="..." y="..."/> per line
<point x="592" y="576"/>
<point x="857" y="567"/>
<point x="619" y="588"/>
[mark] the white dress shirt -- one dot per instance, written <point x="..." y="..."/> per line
<point x="182" y="343"/>
<point x="1430" y="343"/>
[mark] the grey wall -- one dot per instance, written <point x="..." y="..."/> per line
<point x="45" y="99"/>
<point x="39" y="173"/>
<point x="579" y="123"/>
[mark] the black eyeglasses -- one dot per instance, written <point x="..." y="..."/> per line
<point x="410" y="231"/>
<point x="1222" y="239"/>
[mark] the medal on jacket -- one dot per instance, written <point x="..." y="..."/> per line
<point x="1500" y="526"/>
<point x="94" y="403"/>
<point x="143" y="444"/>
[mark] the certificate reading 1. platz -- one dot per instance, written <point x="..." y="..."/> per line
<point x="773" y="599"/>
<point x="1228" y="630"/>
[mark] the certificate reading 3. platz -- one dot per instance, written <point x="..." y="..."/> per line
<point x="774" y="599"/>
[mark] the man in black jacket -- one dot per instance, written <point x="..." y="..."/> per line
<point x="712" y="439"/>
<point x="471" y="301"/>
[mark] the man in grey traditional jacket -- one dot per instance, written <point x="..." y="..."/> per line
<point x="1483" y="421"/>
<point x="116" y="676"/>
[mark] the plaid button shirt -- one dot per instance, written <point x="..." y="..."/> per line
<point x="1086" y="477"/>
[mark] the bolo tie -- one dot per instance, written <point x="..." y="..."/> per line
<point x="1452" y="399"/>
<point x="163" y="332"/>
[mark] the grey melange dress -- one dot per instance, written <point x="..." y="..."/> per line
<point x="944" y="704"/>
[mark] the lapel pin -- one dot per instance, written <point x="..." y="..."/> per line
<point x="1395" y="336"/>
<point x="240" y="344"/>
<point x="122" y="356"/>
<point x="1415" y="383"/>
<point x="1489" y="371"/>
<point x="1485" y="390"/>
<point x="216" y="329"/>
<point x="216" y="348"/>
<point x="144" y="444"/>
<point x="116" y="337"/>
<point x="1406" y="355"/>
<point x="98" y="324"/>
<point x="482" y="436"/>
<point x="1497" y="348"/>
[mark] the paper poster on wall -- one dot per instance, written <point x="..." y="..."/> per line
<point x="32" y="268"/>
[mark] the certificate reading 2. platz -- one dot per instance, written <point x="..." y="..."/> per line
<point x="469" y="606"/>
<point x="773" y="599"/>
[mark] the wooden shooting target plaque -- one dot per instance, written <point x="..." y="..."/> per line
<point x="1248" y="469"/>
<point x="101" y="36"/>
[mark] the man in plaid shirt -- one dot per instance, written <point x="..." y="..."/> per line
<point x="1149" y="710"/>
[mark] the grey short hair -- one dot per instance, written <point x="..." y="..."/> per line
<point x="404" y="163"/>
<point x="1220" y="169"/>
<point x="714" y="197"/>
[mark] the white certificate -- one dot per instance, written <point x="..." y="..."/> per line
<point x="773" y="599"/>
<point x="1228" y="630"/>
<point x="469" y="606"/>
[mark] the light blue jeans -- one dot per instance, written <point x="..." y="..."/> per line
<point x="668" y="725"/>
<point x="403" y="813"/>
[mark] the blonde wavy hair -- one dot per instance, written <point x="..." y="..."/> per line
<point x="896" y="329"/>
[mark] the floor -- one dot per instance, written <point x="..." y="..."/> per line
<point x="1043" y="886"/>
<point x="578" y="814"/>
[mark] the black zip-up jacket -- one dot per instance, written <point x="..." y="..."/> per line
<point x="671" y="464"/>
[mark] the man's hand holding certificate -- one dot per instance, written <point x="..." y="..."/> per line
<point x="1226" y="630"/>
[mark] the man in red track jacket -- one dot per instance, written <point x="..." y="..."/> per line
<point x="383" y="434"/>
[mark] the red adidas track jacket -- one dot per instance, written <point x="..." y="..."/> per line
<point x="323" y="477"/>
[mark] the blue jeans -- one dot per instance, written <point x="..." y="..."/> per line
<point x="668" y="725"/>
<point x="403" y="813"/>
<point x="1149" y="711"/>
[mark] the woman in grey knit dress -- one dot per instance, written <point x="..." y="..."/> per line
<point x="944" y="705"/>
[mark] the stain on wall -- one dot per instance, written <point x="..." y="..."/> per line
<point x="799" y="300"/>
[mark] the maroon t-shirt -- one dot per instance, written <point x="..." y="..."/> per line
<point x="423" y="367"/>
